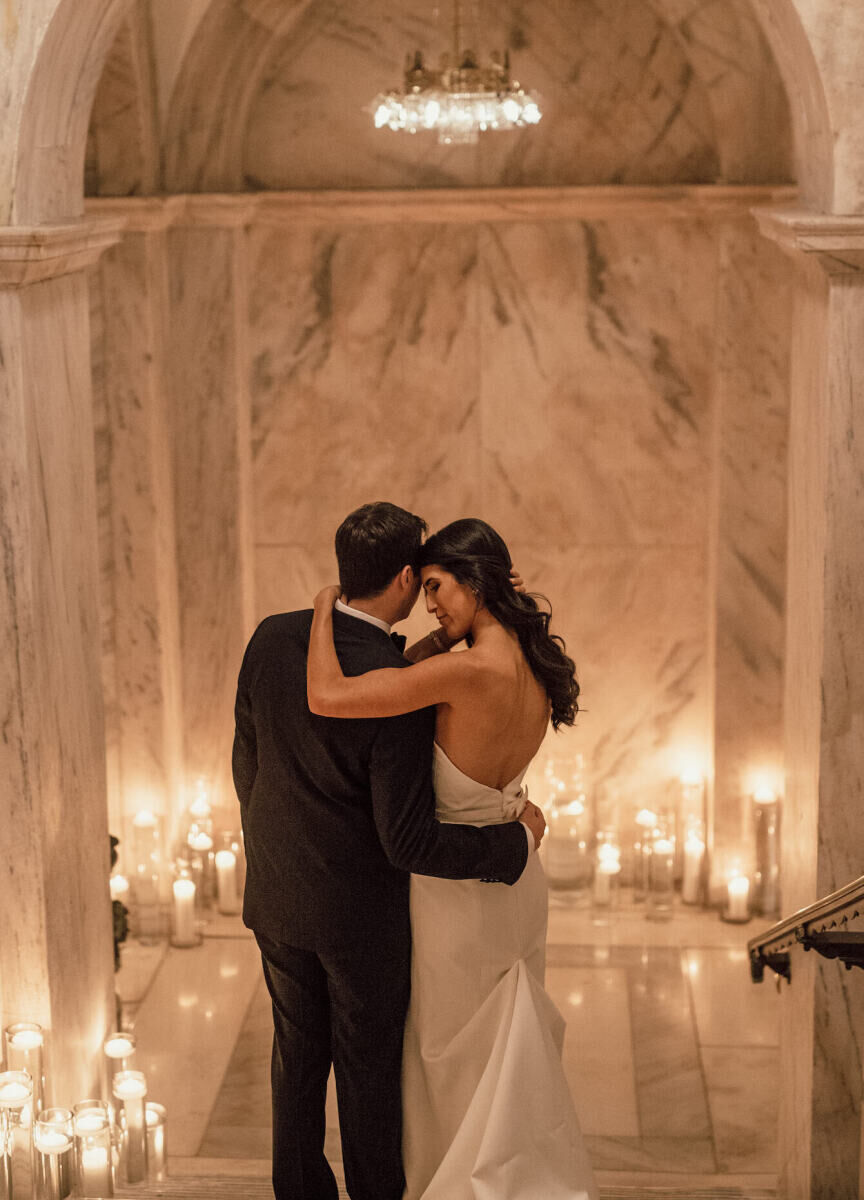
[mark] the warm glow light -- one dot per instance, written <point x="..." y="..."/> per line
<point x="12" y="1095"/>
<point x="225" y="858"/>
<point x="200" y="841"/>
<point x="119" y="1047"/>
<point x="764" y="795"/>
<point x="129" y="1086"/>
<point x="664" y="846"/>
<point x="90" y="1122"/>
<point x="187" y="999"/>
<point x="184" y="888"/>
<point x="94" y="1157"/>
<point x="26" y="1039"/>
<point x="119" y="885"/>
<point x="646" y="818"/>
<point x="51" y="1141"/>
<point x="144" y="819"/>
<point x="739" y="885"/>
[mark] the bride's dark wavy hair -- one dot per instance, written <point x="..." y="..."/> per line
<point x="477" y="556"/>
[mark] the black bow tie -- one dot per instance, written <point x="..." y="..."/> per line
<point x="399" y="641"/>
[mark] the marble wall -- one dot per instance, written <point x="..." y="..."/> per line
<point x="563" y="381"/>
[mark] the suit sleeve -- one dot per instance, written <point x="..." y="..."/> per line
<point x="244" y="756"/>
<point x="404" y="808"/>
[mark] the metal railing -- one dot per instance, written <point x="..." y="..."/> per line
<point x="821" y="926"/>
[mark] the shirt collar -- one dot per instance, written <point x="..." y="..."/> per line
<point x="362" y="616"/>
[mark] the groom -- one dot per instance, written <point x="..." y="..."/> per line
<point x="336" y="813"/>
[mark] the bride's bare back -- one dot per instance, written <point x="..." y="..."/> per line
<point x="494" y="730"/>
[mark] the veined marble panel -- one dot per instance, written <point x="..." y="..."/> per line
<point x="208" y="405"/>
<point x="596" y="345"/>
<point x="139" y="575"/>
<point x="623" y="103"/>
<point x="755" y="290"/>
<point x="364" y="377"/>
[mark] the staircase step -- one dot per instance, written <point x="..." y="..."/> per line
<point x="213" y="1187"/>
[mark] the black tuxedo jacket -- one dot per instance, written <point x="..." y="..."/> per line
<point x="337" y="812"/>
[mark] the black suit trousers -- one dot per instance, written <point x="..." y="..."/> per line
<point x="345" y="1005"/>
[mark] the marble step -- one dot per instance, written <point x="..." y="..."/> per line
<point x="184" y="1188"/>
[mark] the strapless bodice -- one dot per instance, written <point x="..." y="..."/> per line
<point x="459" y="799"/>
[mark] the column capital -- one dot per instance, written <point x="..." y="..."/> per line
<point x="836" y="240"/>
<point x="33" y="253"/>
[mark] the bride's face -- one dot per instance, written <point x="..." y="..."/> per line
<point x="452" y="602"/>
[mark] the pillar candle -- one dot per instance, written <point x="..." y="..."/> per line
<point x="185" y="932"/>
<point x="53" y="1159"/>
<point x="156" y="1145"/>
<point x="16" y="1152"/>
<point x="24" y="1043"/>
<point x="226" y="871"/>
<point x="130" y="1088"/>
<point x="738" y="899"/>
<point x="92" y="1127"/>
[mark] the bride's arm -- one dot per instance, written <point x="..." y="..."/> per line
<point x="382" y="693"/>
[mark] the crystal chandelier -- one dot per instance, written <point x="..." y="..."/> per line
<point x="461" y="100"/>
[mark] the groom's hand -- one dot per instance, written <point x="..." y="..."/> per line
<point x="533" y="817"/>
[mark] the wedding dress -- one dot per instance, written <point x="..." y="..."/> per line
<point x="488" y="1113"/>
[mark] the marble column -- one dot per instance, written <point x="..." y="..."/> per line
<point x="136" y="504"/>
<point x="56" y="962"/>
<point x="209" y="410"/>
<point x="823" y="843"/>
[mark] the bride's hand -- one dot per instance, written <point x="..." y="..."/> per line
<point x="517" y="580"/>
<point x="327" y="597"/>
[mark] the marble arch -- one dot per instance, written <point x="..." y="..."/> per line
<point x="233" y="43"/>
<point x="47" y="185"/>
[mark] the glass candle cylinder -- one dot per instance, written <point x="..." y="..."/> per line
<point x="737" y="908"/>
<point x="118" y="1050"/>
<point x="766" y="830"/>
<point x="202" y="863"/>
<point x="148" y="866"/>
<point x="184" y="927"/>
<point x="646" y="821"/>
<point x="53" y="1146"/>
<point x="157" y="1152"/>
<point x="694" y="858"/>
<point x="92" y="1127"/>
<point x="607" y="868"/>
<point x="16" y="1161"/>
<point x="568" y="847"/>
<point x="24" y="1046"/>
<point x="130" y="1089"/>
<point x="661" y="890"/>
<point x="228" y="898"/>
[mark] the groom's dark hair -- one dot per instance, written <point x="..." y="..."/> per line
<point x="373" y="544"/>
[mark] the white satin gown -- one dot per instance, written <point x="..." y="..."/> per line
<point x="488" y="1113"/>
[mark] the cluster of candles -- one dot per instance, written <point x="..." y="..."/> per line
<point x="669" y="848"/>
<point x="49" y="1153"/>
<point x="203" y="876"/>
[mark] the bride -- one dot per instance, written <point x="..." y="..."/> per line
<point x="487" y="1111"/>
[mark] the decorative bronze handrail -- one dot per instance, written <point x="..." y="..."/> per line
<point x="820" y="926"/>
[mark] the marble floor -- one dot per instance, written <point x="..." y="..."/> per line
<point x="671" y="1051"/>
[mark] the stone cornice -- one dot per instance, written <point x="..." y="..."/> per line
<point x="32" y="254"/>
<point x="435" y="205"/>
<point x="837" y="240"/>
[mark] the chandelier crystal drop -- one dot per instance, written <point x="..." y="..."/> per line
<point x="460" y="100"/>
